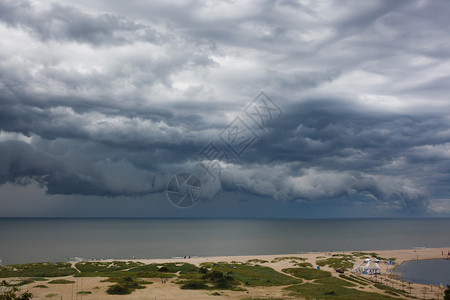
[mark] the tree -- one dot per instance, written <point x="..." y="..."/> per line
<point x="8" y="292"/>
<point x="447" y="293"/>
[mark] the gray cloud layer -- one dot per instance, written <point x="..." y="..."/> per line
<point x="112" y="98"/>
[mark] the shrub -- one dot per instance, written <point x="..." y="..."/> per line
<point x="194" y="285"/>
<point x="61" y="281"/>
<point x="124" y="286"/>
<point x="118" y="289"/>
<point x="447" y="293"/>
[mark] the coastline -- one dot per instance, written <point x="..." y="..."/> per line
<point x="278" y="262"/>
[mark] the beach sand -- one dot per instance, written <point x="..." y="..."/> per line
<point x="170" y="290"/>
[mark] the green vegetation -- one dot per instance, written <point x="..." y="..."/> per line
<point x="166" y="270"/>
<point x="361" y="254"/>
<point x="100" y="266"/>
<point x="359" y="278"/>
<point x="127" y="276"/>
<point x="291" y="258"/>
<point x="255" y="275"/>
<point x="84" y="293"/>
<point x="231" y="276"/>
<point x="308" y="274"/>
<point x="334" y="281"/>
<point x="354" y="279"/>
<point x="392" y="258"/>
<point x="195" y="285"/>
<point x="390" y="290"/>
<point x="220" y="280"/>
<point x="125" y="286"/>
<point x="38" y="278"/>
<point x="37" y="270"/>
<point x="342" y="255"/>
<point x="447" y="293"/>
<point x="212" y="280"/>
<point x="256" y="261"/>
<point x="41" y="286"/>
<point x="332" y="291"/>
<point x="105" y="269"/>
<point x="304" y="265"/>
<point x="135" y="269"/>
<point x="344" y="263"/>
<point x="61" y="281"/>
<point x="8" y="292"/>
<point x="22" y="282"/>
<point x="371" y="255"/>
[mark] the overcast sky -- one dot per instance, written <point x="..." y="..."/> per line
<point x="102" y="102"/>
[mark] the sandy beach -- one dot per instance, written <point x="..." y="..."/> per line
<point x="170" y="290"/>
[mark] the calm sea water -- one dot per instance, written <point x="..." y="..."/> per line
<point x="436" y="271"/>
<point x="35" y="240"/>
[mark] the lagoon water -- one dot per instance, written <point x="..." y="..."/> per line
<point x="35" y="240"/>
<point x="436" y="271"/>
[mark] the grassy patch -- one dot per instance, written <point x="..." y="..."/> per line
<point x="61" y="281"/>
<point x="125" y="286"/>
<point x="354" y="279"/>
<point x="41" y="286"/>
<point x="343" y="263"/>
<point x="392" y="258"/>
<point x="195" y="285"/>
<point x="212" y="280"/>
<point x="360" y="254"/>
<point x="308" y="274"/>
<point x="22" y="282"/>
<point x="255" y="275"/>
<point x="100" y="266"/>
<point x="304" y="265"/>
<point x="37" y="270"/>
<point x="371" y="255"/>
<point x="123" y="269"/>
<point x="342" y="255"/>
<point x="226" y="276"/>
<point x="334" y="281"/>
<point x="38" y="279"/>
<point x="166" y="270"/>
<point x="50" y="295"/>
<point x="292" y="258"/>
<point x="84" y="293"/>
<point x="256" y="261"/>
<point x="360" y="278"/>
<point x="390" y="290"/>
<point x="332" y="291"/>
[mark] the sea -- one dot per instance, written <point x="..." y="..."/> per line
<point x="25" y="240"/>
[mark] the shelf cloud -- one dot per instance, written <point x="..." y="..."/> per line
<point x="113" y="98"/>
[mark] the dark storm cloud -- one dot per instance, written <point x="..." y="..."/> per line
<point x="112" y="98"/>
<point x="345" y="150"/>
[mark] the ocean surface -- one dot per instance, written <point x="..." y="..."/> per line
<point x="37" y="240"/>
<point x="436" y="271"/>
